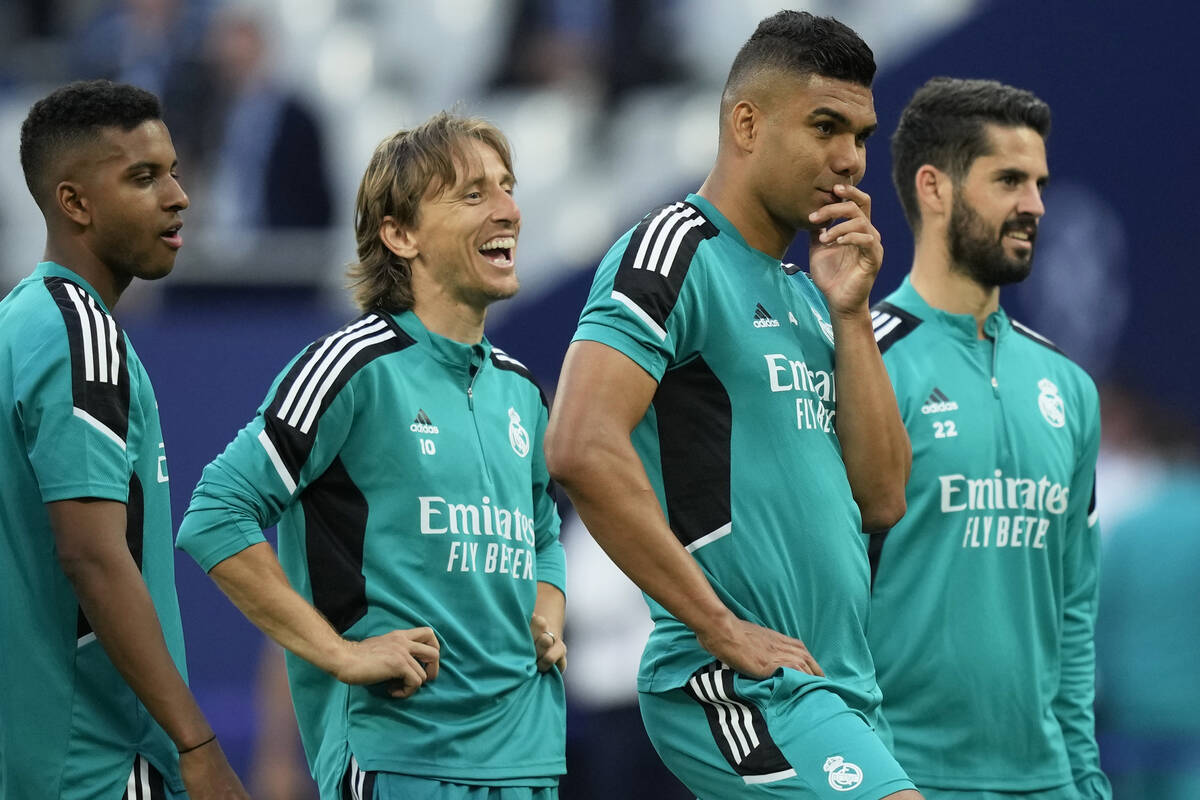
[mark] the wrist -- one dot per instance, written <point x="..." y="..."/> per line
<point x="212" y="737"/>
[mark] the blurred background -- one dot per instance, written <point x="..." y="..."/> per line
<point x="611" y="106"/>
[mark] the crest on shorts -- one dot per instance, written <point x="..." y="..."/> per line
<point x="518" y="437"/>
<point x="1050" y="403"/>
<point x="843" y="775"/>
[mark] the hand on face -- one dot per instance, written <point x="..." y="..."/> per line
<point x="845" y="256"/>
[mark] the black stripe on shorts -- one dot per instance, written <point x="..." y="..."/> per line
<point x="145" y="782"/>
<point x="737" y="725"/>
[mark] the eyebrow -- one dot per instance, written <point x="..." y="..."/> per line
<point x="1016" y="172"/>
<point x="841" y="119"/>
<point x="476" y="180"/>
<point x="153" y="166"/>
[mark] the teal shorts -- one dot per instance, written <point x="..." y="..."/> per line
<point x="728" y="736"/>
<point x="360" y="785"/>
<point x="1067" y="792"/>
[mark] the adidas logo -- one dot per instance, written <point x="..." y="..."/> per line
<point x="763" y="318"/>
<point x="938" y="403"/>
<point x="422" y="423"/>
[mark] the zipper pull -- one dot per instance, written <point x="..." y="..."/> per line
<point x="470" y="398"/>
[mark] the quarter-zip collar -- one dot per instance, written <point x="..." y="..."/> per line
<point x="51" y="269"/>
<point x="447" y="351"/>
<point x="960" y="326"/>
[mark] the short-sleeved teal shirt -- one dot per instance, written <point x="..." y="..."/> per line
<point x="80" y="420"/>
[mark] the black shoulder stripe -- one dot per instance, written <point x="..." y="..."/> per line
<point x="1030" y="333"/>
<point x="316" y="378"/>
<point x="502" y="360"/>
<point x="657" y="260"/>
<point x="891" y="324"/>
<point x="99" y="365"/>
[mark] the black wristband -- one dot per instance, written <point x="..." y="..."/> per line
<point x="209" y="740"/>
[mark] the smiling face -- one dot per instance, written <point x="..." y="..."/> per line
<point x="132" y="197"/>
<point x="465" y="239"/>
<point x="813" y="137"/>
<point x="997" y="205"/>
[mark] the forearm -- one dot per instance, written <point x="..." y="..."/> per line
<point x="117" y="604"/>
<point x="551" y="605"/>
<point x="616" y="503"/>
<point x="875" y="445"/>
<point x="257" y="585"/>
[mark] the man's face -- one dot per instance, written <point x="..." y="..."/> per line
<point x="134" y="199"/>
<point x="994" y="219"/>
<point x="466" y="234"/>
<point x="814" y="137"/>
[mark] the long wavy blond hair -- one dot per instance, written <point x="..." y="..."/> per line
<point x="403" y="168"/>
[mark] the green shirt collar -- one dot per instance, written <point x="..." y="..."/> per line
<point x="445" y="350"/>
<point x="963" y="325"/>
<point x="49" y="269"/>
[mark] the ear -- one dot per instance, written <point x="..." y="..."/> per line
<point x="935" y="191"/>
<point x="70" y="202"/>
<point x="745" y="121"/>
<point x="397" y="239"/>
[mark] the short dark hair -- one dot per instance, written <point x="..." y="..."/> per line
<point x="945" y="125"/>
<point x="804" y="45"/>
<point x="74" y="115"/>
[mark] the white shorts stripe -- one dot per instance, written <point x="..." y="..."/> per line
<point x="771" y="777"/>
<point x="86" y="639"/>
<point x="747" y="720"/>
<point x="727" y="710"/>
<point x="98" y="425"/>
<point x="642" y="315"/>
<point x="709" y="538"/>
<point x="332" y="375"/>
<point x="273" y="454"/>
<point x="640" y="260"/>
<point x="702" y="693"/>
<point x="1093" y="517"/>
<point x="302" y="378"/>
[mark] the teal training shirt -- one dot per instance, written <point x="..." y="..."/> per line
<point x="984" y="597"/>
<point x="739" y="441"/>
<point x="80" y="421"/>
<point x="406" y="474"/>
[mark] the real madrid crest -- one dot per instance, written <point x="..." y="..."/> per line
<point x="1050" y="403"/>
<point x="518" y="437"/>
<point x="843" y="775"/>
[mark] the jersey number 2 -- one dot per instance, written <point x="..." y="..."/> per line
<point x="944" y="430"/>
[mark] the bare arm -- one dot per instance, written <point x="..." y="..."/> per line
<point x="602" y="395"/>
<point x="90" y="537"/>
<point x="549" y="610"/>
<point x="254" y="581"/>
<point x="844" y="262"/>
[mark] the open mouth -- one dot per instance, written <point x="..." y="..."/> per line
<point x="171" y="236"/>
<point x="499" y="251"/>
<point x="1020" y="232"/>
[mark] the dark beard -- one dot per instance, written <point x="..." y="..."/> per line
<point x="979" y="254"/>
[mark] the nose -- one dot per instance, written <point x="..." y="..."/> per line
<point x="848" y="159"/>
<point x="175" y="198"/>
<point x="1030" y="201"/>
<point x="506" y="208"/>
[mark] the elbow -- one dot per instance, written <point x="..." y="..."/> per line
<point x="882" y="513"/>
<point x="564" y="457"/>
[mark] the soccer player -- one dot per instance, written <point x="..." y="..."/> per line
<point x="95" y="702"/>
<point x="401" y="457"/>
<point x="715" y="453"/>
<point x="984" y="596"/>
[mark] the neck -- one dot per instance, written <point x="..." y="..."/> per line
<point x="950" y="289"/>
<point x="725" y="190"/>
<point x="82" y="261"/>
<point x="454" y="320"/>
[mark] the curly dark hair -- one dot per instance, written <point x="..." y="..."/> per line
<point x="74" y="115"/>
<point x="945" y="125"/>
